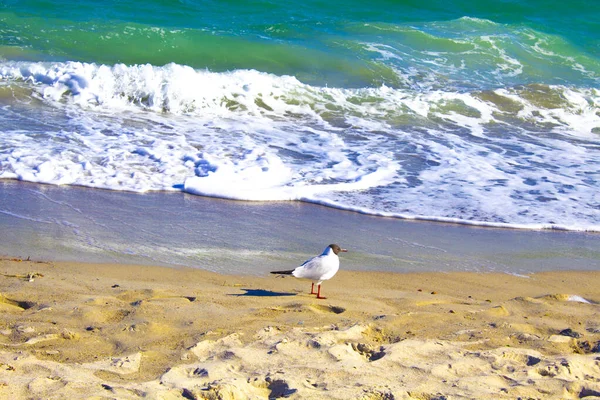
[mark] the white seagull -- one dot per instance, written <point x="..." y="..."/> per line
<point x="318" y="269"/>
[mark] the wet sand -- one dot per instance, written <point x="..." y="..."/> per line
<point x="96" y="331"/>
<point x="61" y="223"/>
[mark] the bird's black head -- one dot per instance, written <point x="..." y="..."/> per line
<point x="336" y="249"/>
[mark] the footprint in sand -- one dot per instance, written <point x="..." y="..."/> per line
<point x="279" y="388"/>
<point x="521" y="357"/>
<point x="368" y="352"/>
<point x="137" y="297"/>
<point x="7" y="303"/>
<point x="328" y="309"/>
<point x="298" y="307"/>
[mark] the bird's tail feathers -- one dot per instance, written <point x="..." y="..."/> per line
<point x="289" y="272"/>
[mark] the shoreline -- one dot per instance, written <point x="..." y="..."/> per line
<point x="174" y="229"/>
<point x="331" y="206"/>
<point x="132" y="331"/>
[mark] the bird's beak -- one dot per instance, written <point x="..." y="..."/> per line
<point x="343" y="250"/>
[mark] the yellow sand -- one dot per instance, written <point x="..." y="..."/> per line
<point x="74" y="331"/>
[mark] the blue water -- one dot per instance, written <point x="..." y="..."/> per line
<point x="481" y="113"/>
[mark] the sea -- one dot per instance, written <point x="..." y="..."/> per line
<point x="484" y="113"/>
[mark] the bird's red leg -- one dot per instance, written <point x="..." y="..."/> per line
<point x="319" y="293"/>
<point x="312" y="288"/>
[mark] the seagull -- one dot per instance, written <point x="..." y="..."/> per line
<point x="318" y="269"/>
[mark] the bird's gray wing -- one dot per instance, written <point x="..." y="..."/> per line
<point x="311" y="269"/>
<point x="307" y="261"/>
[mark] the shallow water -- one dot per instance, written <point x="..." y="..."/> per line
<point x="78" y="224"/>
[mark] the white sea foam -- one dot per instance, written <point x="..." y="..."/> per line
<point x="524" y="157"/>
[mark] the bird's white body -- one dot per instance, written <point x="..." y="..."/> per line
<point x="319" y="268"/>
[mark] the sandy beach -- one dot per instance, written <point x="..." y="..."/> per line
<point x="99" y="331"/>
<point x="160" y="159"/>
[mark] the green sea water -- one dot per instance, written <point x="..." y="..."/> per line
<point x="349" y="44"/>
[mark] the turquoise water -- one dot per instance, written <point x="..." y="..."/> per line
<point x="484" y="113"/>
<point x="319" y="42"/>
